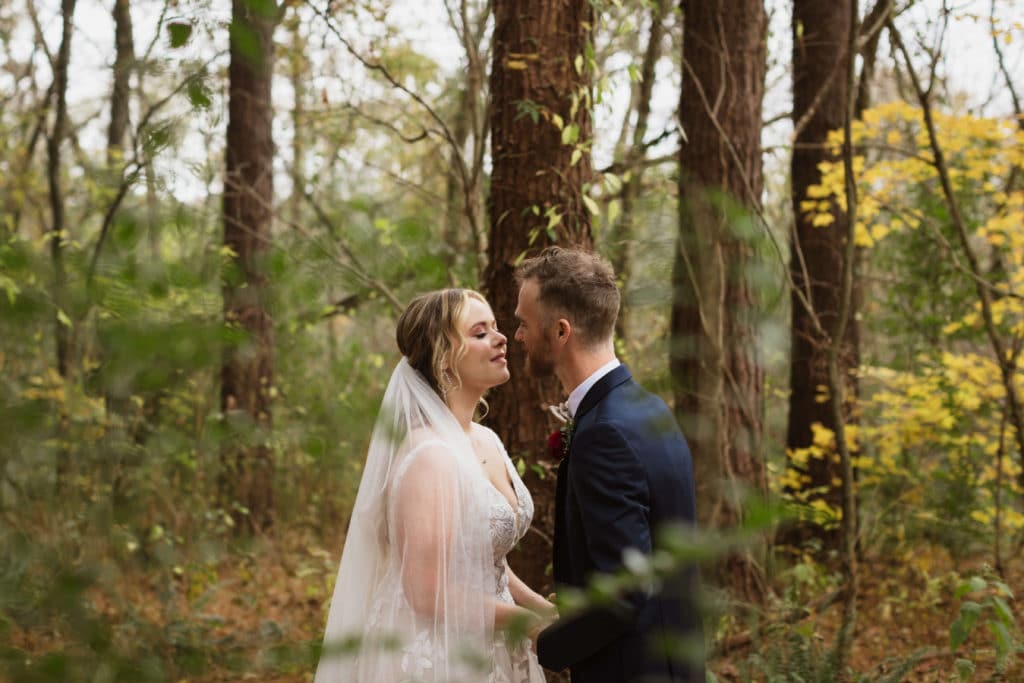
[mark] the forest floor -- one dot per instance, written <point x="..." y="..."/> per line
<point x="258" y="611"/>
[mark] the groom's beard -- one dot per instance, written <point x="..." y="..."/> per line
<point x="539" y="362"/>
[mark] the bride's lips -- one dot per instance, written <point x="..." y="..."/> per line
<point x="499" y="358"/>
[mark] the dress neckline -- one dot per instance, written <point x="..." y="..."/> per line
<point x="514" y="507"/>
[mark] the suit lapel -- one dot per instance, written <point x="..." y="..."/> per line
<point x="618" y="376"/>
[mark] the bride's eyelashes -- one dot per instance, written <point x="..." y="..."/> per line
<point x="482" y="335"/>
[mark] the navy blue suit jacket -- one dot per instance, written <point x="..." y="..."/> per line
<point x="628" y="472"/>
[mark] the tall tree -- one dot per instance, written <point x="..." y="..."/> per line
<point x="57" y="233"/>
<point x="247" y="369"/>
<point x="820" y="34"/>
<point x="540" y="129"/>
<point x="718" y="379"/>
<point x="54" y="169"/>
<point x="123" y="62"/>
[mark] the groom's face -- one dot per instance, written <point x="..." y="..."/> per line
<point x="532" y="330"/>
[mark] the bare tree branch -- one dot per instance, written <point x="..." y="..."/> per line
<point x="1006" y="364"/>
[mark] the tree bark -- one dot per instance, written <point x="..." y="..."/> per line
<point x="537" y="44"/>
<point x="820" y="33"/>
<point x="62" y="336"/>
<point x="123" y="62"/>
<point x="54" y="169"/>
<point x="717" y="376"/>
<point x="247" y="372"/>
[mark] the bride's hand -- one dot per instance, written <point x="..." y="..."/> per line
<point x="539" y="624"/>
<point x="550" y="609"/>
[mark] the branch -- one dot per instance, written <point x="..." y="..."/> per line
<point x="130" y="173"/>
<point x="755" y="201"/>
<point x="354" y="267"/>
<point x="1006" y="367"/>
<point x="465" y="175"/>
<point x="1002" y="68"/>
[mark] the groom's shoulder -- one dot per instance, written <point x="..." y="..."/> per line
<point x="630" y="403"/>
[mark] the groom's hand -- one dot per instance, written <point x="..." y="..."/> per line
<point x="533" y="633"/>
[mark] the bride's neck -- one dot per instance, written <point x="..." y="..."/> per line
<point x="462" y="403"/>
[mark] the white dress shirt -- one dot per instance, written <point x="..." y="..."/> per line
<point x="576" y="397"/>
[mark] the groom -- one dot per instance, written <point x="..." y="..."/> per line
<point x="627" y="472"/>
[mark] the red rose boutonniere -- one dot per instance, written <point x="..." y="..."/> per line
<point x="561" y="439"/>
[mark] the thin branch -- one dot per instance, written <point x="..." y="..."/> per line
<point x="354" y="266"/>
<point x="837" y="397"/>
<point x="1002" y="68"/>
<point x="755" y="201"/>
<point x="1007" y="368"/>
<point x="130" y="173"/>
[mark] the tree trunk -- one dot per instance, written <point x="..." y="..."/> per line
<point x="247" y="370"/>
<point x="123" y="62"/>
<point x="115" y="394"/>
<point x="717" y="376"/>
<point x="820" y="33"/>
<point x="54" y="168"/>
<point x="533" y="78"/>
<point x="298" y="73"/>
<point x="57" y="228"/>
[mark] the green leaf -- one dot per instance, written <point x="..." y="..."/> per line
<point x="1003" y="610"/>
<point x="591" y="205"/>
<point x="63" y="318"/>
<point x="612" y="183"/>
<point x="198" y="94"/>
<point x="614" y="209"/>
<point x="554" y="218"/>
<point x="1004" y="643"/>
<point x="577" y="154"/>
<point x="570" y="134"/>
<point x="179" y="33"/>
<point x="245" y="40"/>
<point x="972" y="585"/>
<point x="960" y="629"/>
<point x="964" y="669"/>
<point x="1003" y="588"/>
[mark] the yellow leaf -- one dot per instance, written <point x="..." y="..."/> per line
<point x="516" y="64"/>
<point x="823" y="219"/>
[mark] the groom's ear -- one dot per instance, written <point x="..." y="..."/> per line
<point x="564" y="330"/>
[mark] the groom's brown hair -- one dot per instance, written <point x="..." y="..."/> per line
<point x="577" y="285"/>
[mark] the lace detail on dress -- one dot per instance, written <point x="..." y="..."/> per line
<point x="511" y="663"/>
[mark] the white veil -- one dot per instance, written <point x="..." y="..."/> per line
<point x="415" y="588"/>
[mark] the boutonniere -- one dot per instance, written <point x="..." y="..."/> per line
<point x="560" y="439"/>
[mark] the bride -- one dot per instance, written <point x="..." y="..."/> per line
<point x="424" y="592"/>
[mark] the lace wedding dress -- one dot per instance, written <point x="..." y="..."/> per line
<point x="424" y="559"/>
<point x="512" y="663"/>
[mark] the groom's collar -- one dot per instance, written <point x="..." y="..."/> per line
<point x="577" y="394"/>
<point x="603" y="383"/>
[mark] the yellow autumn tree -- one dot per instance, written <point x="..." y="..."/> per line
<point x="938" y="422"/>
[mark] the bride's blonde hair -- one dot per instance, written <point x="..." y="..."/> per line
<point x="428" y="336"/>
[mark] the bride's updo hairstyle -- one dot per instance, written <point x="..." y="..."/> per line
<point x="428" y="335"/>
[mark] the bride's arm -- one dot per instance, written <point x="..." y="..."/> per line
<point x="529" y="598"/>
<point x="427" y="521"/>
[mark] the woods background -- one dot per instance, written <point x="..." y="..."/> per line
<point x="212" y="215"/>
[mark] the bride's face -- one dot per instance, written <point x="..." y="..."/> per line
<point x="483" y="364"/>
